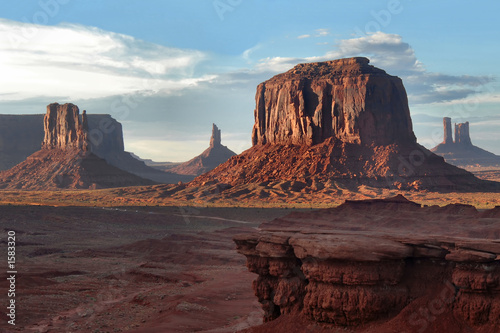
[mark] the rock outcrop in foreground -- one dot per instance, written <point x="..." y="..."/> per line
<point x="65" y="160"/>
<point x="380" y="262"/>
<point x="338" y="122"/>
<point x="212" y="157"/>
<point x="461" y="152"/>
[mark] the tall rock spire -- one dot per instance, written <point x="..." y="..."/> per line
<point x="462" y="136"/>
<point x="215" y="139"/>
<point x="448" y="139"/>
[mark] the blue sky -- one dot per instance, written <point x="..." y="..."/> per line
<point x="168" y="69"/>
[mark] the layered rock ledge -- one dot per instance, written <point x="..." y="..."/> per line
<point x="380" y="260"/>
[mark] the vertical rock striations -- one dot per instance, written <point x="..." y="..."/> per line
<point x="347" y="99"/>
<point x="64" y="128"/>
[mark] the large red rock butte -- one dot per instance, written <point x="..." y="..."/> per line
<point x="20" y="136"/>
<point x="461" y="152"/>
<point x="379" y="266"/>
<point x="347" y="99"/>
<point x="64" y="128"/>
<point x="338" y="122"/>
<point x="65" y="160"/>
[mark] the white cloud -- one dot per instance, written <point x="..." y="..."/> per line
<point x="76" y="62"/>
<point x="303" y="36"/>
<point x="322" y="32"/>
<point x="391" y="53"/>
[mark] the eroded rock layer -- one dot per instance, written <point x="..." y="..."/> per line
<point x="379" y="261"/>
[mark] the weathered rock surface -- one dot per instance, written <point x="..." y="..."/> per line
<point x="212" y="157"/>
<point x="462" y="134"/>
<point x="64" y="128"/>
<point x="347" y="99"/>
<point x="367" y="263"/>
<point x="340" y="121"/>
<point x="65" y="160"/>
<point x="461" y="152"/>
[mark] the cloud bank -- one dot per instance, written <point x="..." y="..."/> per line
<point x="78" y="62"/>
<point x="391" y="53"/>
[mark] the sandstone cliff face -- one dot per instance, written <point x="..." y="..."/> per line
<point x="361" y="263"/>
<point x="64" y="128"/>
<point x="347" y="99"/>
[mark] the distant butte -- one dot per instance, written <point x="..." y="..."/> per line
<point x="212" y="157"/>
<point x="341" y="122"/>
<point x="65" y="160"/>
<point x="461" y="152"/>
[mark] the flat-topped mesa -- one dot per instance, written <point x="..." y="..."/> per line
<point x="64" y="129"/>
<point x="215" y="140"/>
<point x="347" y="99"/>
<point x="462" y="135"/>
